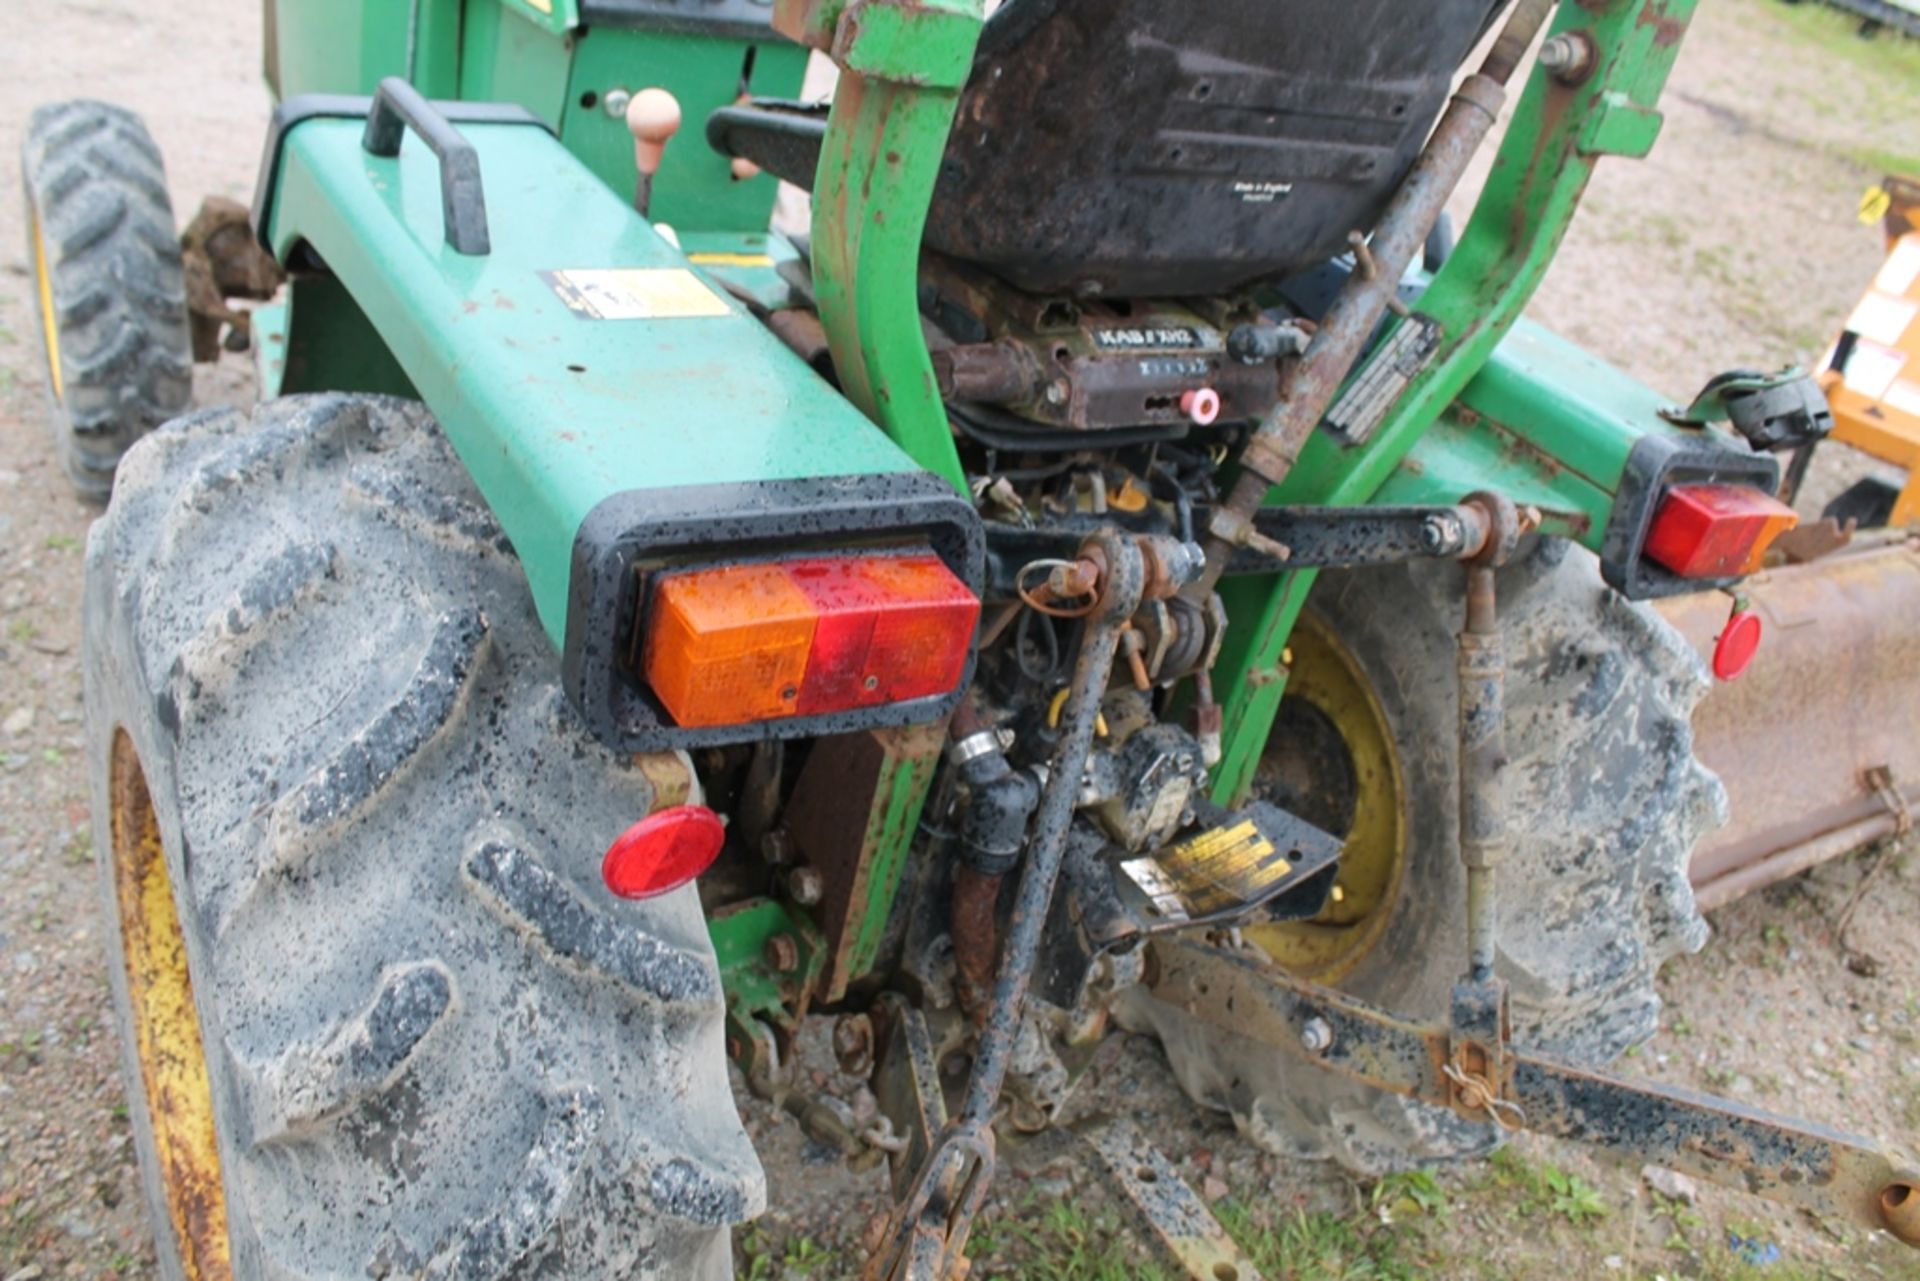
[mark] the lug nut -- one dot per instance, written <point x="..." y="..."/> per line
<point x="1317" y="1036"/>
<point x="805" y="885"/>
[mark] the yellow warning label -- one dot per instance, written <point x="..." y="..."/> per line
<point x="730" y="260"/>
<point x="1241" y="843"/>
<point x="635" y="293"/>
<point x="1214" y="871"/>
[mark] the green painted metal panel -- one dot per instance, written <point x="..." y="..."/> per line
<point x="349" y="46"/>
<point x="504" y="57"/>
<point x="554" y="16"/>
<point x="695" y="186"/>
<point x="551" y="411"/>
<point x="1546" y="423"/>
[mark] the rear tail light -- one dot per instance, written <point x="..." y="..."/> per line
<point x="1715" y="531"/>
<point x="663" y="851"/>
<point x="733" y="644"/>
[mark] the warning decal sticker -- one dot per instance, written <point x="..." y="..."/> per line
<point x="635" y="293"/>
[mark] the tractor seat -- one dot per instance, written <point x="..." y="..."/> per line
<point x="1136" y="148"/>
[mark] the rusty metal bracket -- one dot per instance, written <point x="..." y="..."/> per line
<point x="1182" y="1226"/>
<point x="1784" y="1159"/>
<point x="1880" y="779"/>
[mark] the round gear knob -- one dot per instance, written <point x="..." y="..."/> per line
<point x="653" y="117"/>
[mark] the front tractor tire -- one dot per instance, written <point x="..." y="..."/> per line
<point x="380" y="1016"/>
<point x="1604" y="802"/>
<point x="109" y="290"/>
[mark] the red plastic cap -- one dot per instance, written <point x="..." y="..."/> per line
<point x="1202" y="406"/>
<point x="1716" y="531"/>
<point x="1739" y="642"/>
<point x="663" y="851"/>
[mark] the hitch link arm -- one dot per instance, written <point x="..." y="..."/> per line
<point x="1471" y="1065"/>
<point x="1783" y="1159"/>
<point x="926" y="1236"/>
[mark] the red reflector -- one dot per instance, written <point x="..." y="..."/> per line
<point x="663" y="851"/>
<point x="1715" y="531"/>
<point x="1739" y="641"/>
<point x="739" y="643"/>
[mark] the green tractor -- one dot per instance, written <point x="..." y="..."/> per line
<point x="1110" y="561"/>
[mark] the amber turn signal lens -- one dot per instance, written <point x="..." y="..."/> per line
<point x="733" y="644"/>
<point x="1715" y="531"/>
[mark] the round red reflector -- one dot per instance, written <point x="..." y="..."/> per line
<point x="1739" y="642"/>
<point x="663" y="851"/>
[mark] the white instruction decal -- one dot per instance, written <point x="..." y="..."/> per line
<point x="635" y="293"/>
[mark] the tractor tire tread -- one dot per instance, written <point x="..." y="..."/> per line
<point x="438" y="1045"/>
<point x="95" y="181"/>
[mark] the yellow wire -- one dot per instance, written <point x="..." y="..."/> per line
<point x="1060" y="701"/>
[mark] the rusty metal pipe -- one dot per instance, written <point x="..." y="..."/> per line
<point x="1828" y="699"/>
<point x="1120" y="593"/>
<point x="1483" y="754"/>
<point x="1311" y="382"/>
<point x="975" y="936"/>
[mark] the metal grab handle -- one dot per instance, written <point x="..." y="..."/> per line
<point x="463" y="201"/>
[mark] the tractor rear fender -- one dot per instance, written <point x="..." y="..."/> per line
<point x="1554" y="427"/>
<point x="618" y="410"/>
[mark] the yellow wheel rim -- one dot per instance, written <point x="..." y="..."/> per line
<point x="48" y="329"/>
<point x="166" y="1028"/>
<point x="1331" y="759"/>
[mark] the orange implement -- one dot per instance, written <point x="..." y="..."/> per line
<point x="1872" y="378"/>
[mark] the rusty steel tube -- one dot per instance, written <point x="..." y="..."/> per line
<point x="1827" y="701"/>
<point x="1310" y="383"/>
<point x="1483" y="754"/>
<point x="1120" y="594"/>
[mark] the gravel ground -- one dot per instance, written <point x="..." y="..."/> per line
<point x="1735" y="244"/>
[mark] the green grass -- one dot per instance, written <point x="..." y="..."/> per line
<point x="1881" y="163"/>
<point x="1543" y="1188"/>
<point x="1060" y="1239"/>
<point x="1835" y="33"/>
<point x="1325" y="1247"/>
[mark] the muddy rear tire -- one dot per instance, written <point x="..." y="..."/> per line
<point x="104" y="259"/>
<point x="321" y="707"/>
<point x="1605" y="801"/>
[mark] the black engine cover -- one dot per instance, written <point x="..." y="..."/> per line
<point x="1139" y="148"/>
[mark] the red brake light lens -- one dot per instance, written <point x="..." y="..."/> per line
<point x="733" y="644"/>
<point x="1715" y="531"/>
<point x="663" y="851"/>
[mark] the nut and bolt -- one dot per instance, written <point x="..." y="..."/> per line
<point x="805" y="886"/>
<point x="615" y="101"/>
<point x="783" y="954"/>
<point x="1568" y="57"/>
<point x="1317" y="1036"/>
<point x="1437" y="532"/>
<point x="853" y="1043"/>
<point x="776" y="847"/>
